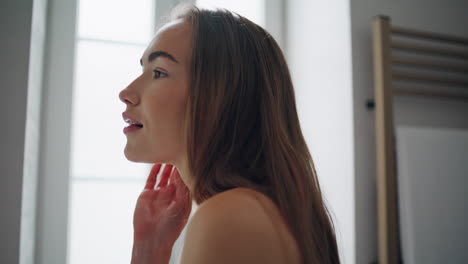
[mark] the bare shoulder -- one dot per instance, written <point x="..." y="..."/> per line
<point x="235" y="226"/>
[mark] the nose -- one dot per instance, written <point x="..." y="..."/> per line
<point x="128" y="96"/>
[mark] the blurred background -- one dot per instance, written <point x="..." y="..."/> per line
<point x="68" y="192"/>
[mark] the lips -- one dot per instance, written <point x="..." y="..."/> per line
<point x="131" y="120"/>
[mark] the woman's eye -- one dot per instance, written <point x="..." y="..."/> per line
<point x="159" y="74"/>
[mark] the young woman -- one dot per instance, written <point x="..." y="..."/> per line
<point x="215" y="103"/>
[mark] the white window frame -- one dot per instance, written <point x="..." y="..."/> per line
<point x="54" y="185"/>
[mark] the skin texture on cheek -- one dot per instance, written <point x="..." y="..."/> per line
<point x="164" y="110"/>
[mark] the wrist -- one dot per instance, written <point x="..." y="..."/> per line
<point x="147" y="251"/>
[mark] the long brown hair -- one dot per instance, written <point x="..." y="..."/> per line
<point x="242" y="122"/>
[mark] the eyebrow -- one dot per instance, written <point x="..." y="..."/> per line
<point x="159" y="53"/>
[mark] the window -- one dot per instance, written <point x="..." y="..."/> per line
<point x="104" y="185"/>
<point x="251" y="9"/>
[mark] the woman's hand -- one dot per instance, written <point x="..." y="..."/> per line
<point x="161" y="213"/>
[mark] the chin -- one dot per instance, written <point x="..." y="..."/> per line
<point x="139" y="157"/>
<point x="132" y="156"/>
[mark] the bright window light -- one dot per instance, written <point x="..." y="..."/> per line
<point x="102" y="71"/>
<point x="251" y="9"/>
<point x="112" y="36"/>
<point x="117" y="20"/>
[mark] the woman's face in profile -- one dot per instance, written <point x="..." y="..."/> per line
<point x="157" y="98"/>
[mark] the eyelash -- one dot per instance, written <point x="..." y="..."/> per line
<point x="156" y="72"/>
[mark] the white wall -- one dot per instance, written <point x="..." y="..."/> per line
<point x="332" y="92"/>
<point x="54" y="185"/>
<point x="16" y="24"/>
<point x="23" y="31"/>
<point x="319" y="54"/>
<point x="449" y="16"/>
<point x="33" y="131"/>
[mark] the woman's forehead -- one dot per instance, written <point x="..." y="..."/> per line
<point x="174" y="24"/>
<point x="174" y="38"/>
